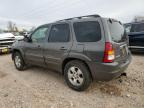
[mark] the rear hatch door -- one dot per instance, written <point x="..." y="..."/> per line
<point x="119" y="40"/>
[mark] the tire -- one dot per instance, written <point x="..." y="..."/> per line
<point x="18" y="61"/>
<point x="77" y="75"/>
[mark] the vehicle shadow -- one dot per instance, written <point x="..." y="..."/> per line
<point x="109" y="88"/>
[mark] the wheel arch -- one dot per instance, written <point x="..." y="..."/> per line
<point x="14" y="51"/>
<point x="73" y="58"/>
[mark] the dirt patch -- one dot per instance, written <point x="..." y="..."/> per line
<point x="42" y="88"/>
<point x="111" y="89"/>
<point x="2" y="74"/>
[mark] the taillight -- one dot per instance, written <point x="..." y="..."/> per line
<point x="109" y="55"/>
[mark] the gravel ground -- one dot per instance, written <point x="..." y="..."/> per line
<point x="41" y="88"/>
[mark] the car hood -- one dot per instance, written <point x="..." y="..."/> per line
<point x="19" y="37"/>
<point x="6" y="36"/>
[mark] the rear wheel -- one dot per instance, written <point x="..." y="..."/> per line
<point x="18" y="61"/>
<point x="77" y="75"/>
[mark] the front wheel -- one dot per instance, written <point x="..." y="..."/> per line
<point x="77" y="75"/>
<point x="18" y="61"/>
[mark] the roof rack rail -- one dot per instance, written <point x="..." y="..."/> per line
<point x="80" y="17"/>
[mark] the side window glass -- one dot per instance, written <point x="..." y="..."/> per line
<point x="59" y="33"/>
<point x="141" y="27"/>
<point x="88" y="31"/>
<point x="39" y="35"/>
<point x="134" y="27"/>
<point x="137" y="27"/>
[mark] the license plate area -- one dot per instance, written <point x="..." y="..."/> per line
<point x="124" y="50"/>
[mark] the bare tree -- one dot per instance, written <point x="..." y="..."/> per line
<point x="15" y="28"/>
<point x="10" y="26"/>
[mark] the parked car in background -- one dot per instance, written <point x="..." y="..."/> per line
<point x="18" y="36"/>
<point x="82" y="48"/>
<point x="6" y="41"/>
<point x="135" y="32"/>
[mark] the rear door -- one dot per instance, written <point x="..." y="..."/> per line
<point x="58" y="45"/>
<point x="119" y="39"/>
<point x="136" y="35"/>
<point x="90" y="38"/>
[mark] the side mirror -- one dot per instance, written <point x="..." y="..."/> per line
<point x="27" y="38"/>
<point x="25" y="35"/>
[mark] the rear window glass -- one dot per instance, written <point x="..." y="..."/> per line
<point x="117" y="31"/>
<point x="88" y="31"/>
<point x="137" y="27"/>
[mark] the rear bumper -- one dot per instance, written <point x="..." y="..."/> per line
<point x="108" y="71"/>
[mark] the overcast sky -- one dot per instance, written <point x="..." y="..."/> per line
<point x="35" y="12"/>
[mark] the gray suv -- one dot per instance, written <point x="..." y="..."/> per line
<point x="81" y="48"/>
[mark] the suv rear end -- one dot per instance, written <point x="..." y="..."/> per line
<point x="115" y="56"/>
<point x="121" y="56"/>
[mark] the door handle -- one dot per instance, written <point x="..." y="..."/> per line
<point x="63" y="48"/>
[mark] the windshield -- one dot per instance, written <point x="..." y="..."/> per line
<point x="117" y="31"/>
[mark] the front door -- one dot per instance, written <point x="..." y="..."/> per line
<point x="34" y="48"/>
